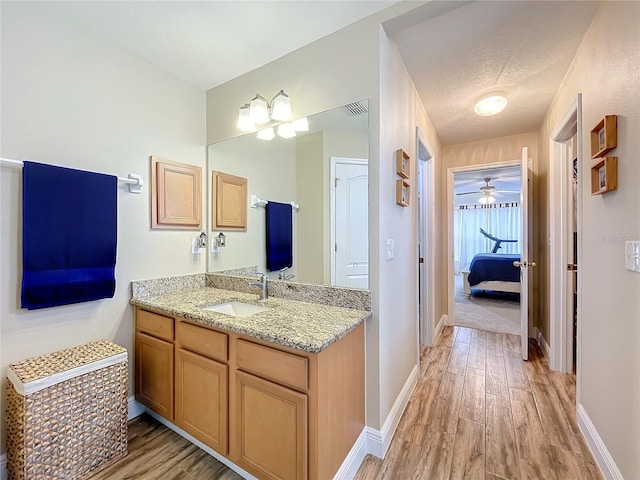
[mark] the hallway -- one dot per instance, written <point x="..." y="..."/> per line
<point x="480" y="412"/>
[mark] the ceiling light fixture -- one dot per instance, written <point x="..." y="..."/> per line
<point x="490" y="104"/>
<point x="260" y="112"/>
<point x="487" y="199"/>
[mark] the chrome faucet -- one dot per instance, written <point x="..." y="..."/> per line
<point x="285" y="276"/>
<point x="262" y="285"/>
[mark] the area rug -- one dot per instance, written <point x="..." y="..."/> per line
<point x="492" y="311"/>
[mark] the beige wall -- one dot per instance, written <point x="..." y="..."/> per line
<point x="494" y="150"/>
<point x="321" y="76"/>
<point x="401" y="111"/>
<point x="606" y="70"/>
<point x="70" y="99"/>
<point x="311" y="228"/>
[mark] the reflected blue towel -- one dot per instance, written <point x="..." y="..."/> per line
<point x="69" y="231"/>
<point x="279" y="236"/>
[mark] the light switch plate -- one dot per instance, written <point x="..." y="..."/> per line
<point x="390" y="248"/>
<point x="632" y="255"/>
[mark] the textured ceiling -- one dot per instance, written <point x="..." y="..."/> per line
<point x="520" y="47"/>
<point x="210" y="42"/>
<point x="454" y="50"/>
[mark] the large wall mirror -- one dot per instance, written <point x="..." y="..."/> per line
<point x="324" y="171"/>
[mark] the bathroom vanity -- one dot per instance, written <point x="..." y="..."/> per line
<point x="278" y="392"/>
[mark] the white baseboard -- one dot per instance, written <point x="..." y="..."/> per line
<point x="598" y="449"/>
<point x="354" y="458"/>
<point x="135" y="408"/>
<point x="542" y="342"/>
<point x="378" y="440"/>
<point x="439" y="327"/>
<point x="3" y="467"/>
<point x="197" y="442"/>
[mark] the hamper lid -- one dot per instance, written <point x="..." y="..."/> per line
<point x="37" y="373"/>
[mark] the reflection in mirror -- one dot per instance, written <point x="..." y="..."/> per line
<point x="324" y="171"/>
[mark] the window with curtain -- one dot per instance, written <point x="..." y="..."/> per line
<point x="502" y="220"/>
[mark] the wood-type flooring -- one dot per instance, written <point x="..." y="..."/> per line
<point x="478" y="412"/>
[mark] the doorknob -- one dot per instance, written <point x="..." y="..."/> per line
<point x="518" y="264"/>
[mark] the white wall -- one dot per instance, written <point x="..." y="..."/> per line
<point x="606" y="70"/>
<point x="270" y="170"/>
<point x="70" y="99"/>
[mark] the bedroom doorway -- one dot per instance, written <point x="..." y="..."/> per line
<point x="486" y="228"/>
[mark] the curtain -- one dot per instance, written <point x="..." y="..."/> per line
<point x="502" y="220"/>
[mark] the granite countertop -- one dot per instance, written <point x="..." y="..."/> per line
<point x="305" y="326"/>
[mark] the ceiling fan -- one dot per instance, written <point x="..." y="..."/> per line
<point x="488" y="193"/>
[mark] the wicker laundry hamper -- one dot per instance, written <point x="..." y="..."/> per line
<point x="67" y="412"/>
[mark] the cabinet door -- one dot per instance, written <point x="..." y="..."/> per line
<point x="201" y="398"/>
<point x="272" y="428"/>
<point x="154" y="374"/>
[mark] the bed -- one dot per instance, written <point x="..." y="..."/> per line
<point x="492" y="271"/>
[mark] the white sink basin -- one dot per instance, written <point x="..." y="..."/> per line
<point x="236" y="309"/>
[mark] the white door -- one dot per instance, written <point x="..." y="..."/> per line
<point x="524" y="257"/>
<point x="350" y="266"/>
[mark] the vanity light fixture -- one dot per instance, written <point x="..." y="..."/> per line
<point x="490" y="104"/>
<point x="260" y="112"/>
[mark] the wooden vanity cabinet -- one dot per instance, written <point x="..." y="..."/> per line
<point x="154" y="362"/>
<point x="277" y="412"/>
<point x="201" y="388"/>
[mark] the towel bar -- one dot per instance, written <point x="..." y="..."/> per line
<point x="134" y="180"/>
<point x="258" y="202"/>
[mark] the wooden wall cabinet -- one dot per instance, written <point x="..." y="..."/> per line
<point x="277" y="412"/>
<point x="176" y="195"/>
<point x="229" y="197"/>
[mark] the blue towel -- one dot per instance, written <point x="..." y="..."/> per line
<point x="279" y="236"/>
<point x="69" y="231"/>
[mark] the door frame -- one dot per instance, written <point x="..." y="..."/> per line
<point x="560" y="319"/>
<point x="428" y="331"/>
<point x="451" y="289"/>
<point x="332" y="196"/>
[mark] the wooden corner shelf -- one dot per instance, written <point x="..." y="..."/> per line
<point x="604" y="176"/>
<point x="403" y="192"/>
<point x="403" y="163"/>
<point x="604" y="136"/>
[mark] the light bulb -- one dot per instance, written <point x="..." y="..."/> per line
<point x="266" y="134"/>
<point x="244" y="119"/>
<point x="259" y="110"/>
<point x="285" y="130"/>
<point x="281" y="107"/>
